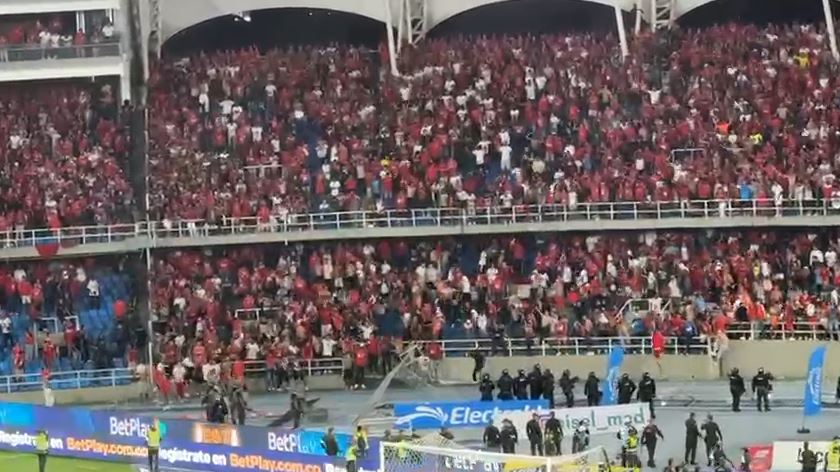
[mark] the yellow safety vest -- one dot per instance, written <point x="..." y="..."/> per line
<point x="832" y="461"/>
<point x="402" y="452"/>
<point x="42" y="443"/>
<point x="631" y="445"/>
<point x="153" y="438"/>
<point x="350" y="455"/>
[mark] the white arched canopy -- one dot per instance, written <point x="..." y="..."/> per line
<point x="181" y="14"/>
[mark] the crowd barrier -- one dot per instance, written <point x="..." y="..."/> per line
<point x="190" y="445"/>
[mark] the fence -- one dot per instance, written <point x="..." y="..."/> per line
<point x="39" y="53"/>
<point x="67" y="380"/>
<point x="158" y="231"/>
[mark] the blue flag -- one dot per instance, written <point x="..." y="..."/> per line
<point x="813" y="384"/>
<point x="611" y="379"/>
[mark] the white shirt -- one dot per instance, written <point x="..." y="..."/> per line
<point x="227" y="106"/>
<point x="327" y="347"/>
<point x="107" y="31"/>
<point x="6" y="325"/>
<point x="252" y="350"/>
<point x="93" y="288"/>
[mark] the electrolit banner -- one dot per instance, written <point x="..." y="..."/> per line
<point x="191" y="445"/>
<point x="433" y="415"/>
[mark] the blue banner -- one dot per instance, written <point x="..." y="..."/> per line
<point x="192" y="445"/>
<point x="813" y="384"/>
<point x="611" y="378"/>
<point x="433" y="415"/>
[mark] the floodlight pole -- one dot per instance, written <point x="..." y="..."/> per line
<point x="389" y="30"/>
<point x="622" y="35"/>
<point x="829" y="26"/>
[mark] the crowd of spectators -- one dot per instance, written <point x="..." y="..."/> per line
<point x="52" y="31"/>
<point x="63" y="157"/>
<point x="498" y="121"/>
<point x="65" y="315"/>
<point x="328" y="300"/>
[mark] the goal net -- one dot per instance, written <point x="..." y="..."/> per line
<point x="414" y="457"/>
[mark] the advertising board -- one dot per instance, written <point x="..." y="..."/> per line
<point x="475" y="414"/>
<point x="601" y="419"/>
<point x="786" y="454"/>
<point x="117" y="436"/>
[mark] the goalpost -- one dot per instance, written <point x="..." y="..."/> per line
<point x="411" y="457"/>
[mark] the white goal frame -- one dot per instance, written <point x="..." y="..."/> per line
<point x="509" y="462"/>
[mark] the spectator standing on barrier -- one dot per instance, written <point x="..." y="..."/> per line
<point x="492" y="437"/>
<point x="736" y="388"/>
<point x="329" y="443"/>
<point x="359" y="365"/>
<point x="650" y="436"/>
<point x="520" y="386"/>
<point x="712" y="437"/>
<point x="505" y="384"/>
<point x="626" y="388"/>
<point x="761" y="388"/>
<point x="567" y="386"/>
<point x="42" y="449"/>
<point x="592" y="391"/>
<point x="553" y="436"/>
<point x="509" y="437"/>
<point x="647" y="392"/>
<point x="808" y="458"/>
<point x="478" y="366"/>
<point x="486" y="388"/>
<point x="153" y="446"/>
<point x="535" y="435"/>
<point x="692" y="434"/>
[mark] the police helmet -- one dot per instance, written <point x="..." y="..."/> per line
<point x="485" y="377"/>
<point x="505" y="372"/>
<point x="521" y="371"/>
<point x="761" y="370"/>
<point x="625" y="376"/>
<point x="646" y="375"/>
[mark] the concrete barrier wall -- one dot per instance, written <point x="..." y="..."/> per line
<point x="695" y="367"/>
<point x="785" y="359"/>
<point x="84" y="396"/>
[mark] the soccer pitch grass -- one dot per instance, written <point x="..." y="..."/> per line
<point x="17" y="462"/>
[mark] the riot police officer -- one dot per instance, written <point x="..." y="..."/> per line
<point x="535" y="379"/>
<point x="692" y="434"/>
<point x="567" y="386"/>
<point x="647" y="392"/>
<point x="520" y="386"/>
<point x="626" y="387"/>
<point x="509" y="437"/>
<point x="553" y="435"/>
<point x="713" y="436"/>
<point x="761" y="388"/>
<point x="736" y="388"/>
<point x="486" y="388"/>
<point x="548" y="387"/>
<point x="492" y="438"/>
<point x="505" y="385"/>
<point x="650" y="436"/>
<point x="592" y="390"/>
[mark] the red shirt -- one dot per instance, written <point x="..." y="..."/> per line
<point x="361" y="359"/>
<point x="238" y="369"/>
<point x="434" y="351"/>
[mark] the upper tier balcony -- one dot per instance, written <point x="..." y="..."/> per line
<point x="429" y="222"/>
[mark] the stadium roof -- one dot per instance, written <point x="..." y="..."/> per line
<point x="181" y="14"/>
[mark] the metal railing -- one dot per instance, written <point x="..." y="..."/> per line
<point x="37" y="52"/>
<point x="334" y="365"/>
<point x="427" y="217"/>
<point x="67" y="380"/>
